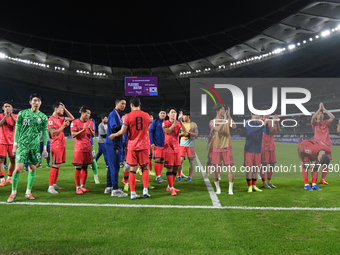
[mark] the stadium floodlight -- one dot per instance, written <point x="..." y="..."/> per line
<point x="325" y="33"/>
<point x="291" y="46"/>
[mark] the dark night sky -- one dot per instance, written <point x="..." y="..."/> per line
<point x="114" y="22"/>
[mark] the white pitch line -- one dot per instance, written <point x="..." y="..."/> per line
<point x="212" y="193"/>
<point x="179" y="206"/>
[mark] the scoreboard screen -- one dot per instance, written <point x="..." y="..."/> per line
<point x="141" y="85"/>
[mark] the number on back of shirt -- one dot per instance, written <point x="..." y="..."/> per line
<point x="139" y="123"/>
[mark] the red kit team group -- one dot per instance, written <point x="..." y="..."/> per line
<point x="136" y="138"/>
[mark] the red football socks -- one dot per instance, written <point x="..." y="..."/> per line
<point x="83" y="176"/>
<point x="170" y="179"/>
<point x="77" y="176"/>
<point x="126" y="177"/>
<point x="52" y="176"/>
<point x="145" y="177"/>
<point x="132" y="180"/>
<point x="158" y="168"/>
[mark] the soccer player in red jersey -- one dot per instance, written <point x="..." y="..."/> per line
<point x="321" y="132"/>
<point x="268" y="153"/>
<point x="7" y="128"/>
<point x="56" y="126"/>
<point x="82" y="129"/>
<point x="172" y="159"/>
<point x="311" y="153"/>
<point x="138" y="144"/>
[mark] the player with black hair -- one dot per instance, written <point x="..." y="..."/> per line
<point x="156" y="135"/>
<point x="56" y="126"/>
<point x="172" y="159"/>
<point x="114" y="149"/>
<point x="311" y="153"/>
<point x="7" y="129"/>
<point x="321" y="132"/>
<point x="82" y="129"/>
<point x="138" y="145"/>
<point x="26" y="148"/>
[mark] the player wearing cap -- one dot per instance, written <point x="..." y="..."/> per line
<point x="311" y="153"/>
<point x="56" y="126"/>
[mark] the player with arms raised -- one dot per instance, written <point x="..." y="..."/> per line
<point x="321" y="132"/>
<point x="268" y="154"/>
<point x="56" y="126"/>
<point x="26" y="148"/>
<point x="311" y="153"/>
<point x="82" y="129"/>
<point x="7" y="128"/>
<point x="222" y="147"/>
<point x="138" y="144"/>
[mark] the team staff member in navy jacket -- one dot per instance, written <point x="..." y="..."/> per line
<point x="156" y="135"/>
<point x="114" y="149"/>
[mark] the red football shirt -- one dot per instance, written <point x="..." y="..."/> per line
<point x="321" y="132"/>
<point x="171" y="141"/>
<point x="312" y="147"/>
<point x="137" y="138"/>
<point x="58" y="141"/>
<point x="82" y="142"/>
<point x="268" y="143"/>
<point x="7" y="129"/>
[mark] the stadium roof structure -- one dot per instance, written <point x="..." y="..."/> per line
<point x="98" y="69"/>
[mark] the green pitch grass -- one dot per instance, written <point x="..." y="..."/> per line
<point x="39" y="229"/>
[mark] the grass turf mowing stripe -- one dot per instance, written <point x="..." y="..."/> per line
<point x="213" y="196"/>
<point x="180" y="206"/>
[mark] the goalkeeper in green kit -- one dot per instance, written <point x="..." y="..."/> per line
<point x="30" y="123"/>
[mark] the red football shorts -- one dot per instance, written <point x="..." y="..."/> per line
<point x="252" y="159"/>
<point x="6" y="148"/>
<point x="172" y="160"/>
<point x="58" y="155"/>
<point x="268" y="157"/>
<point x="133" y="158"/>
<point x="226" y="156"/>
<point x="82" y="158"/>
<point x="159" y="152"/>
<point x="184" y="150"/>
